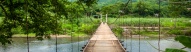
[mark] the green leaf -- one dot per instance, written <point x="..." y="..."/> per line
<point x="174" y="50"/>
<point x="185" y="40"/>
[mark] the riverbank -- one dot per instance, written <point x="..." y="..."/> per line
<point x="68" y="36"/>
<point x="33" y="35"/>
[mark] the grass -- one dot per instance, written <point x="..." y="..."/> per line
<point x="165" y="22"/>
<point x="89" y="20"/>
<point x="181" y="24"/>
<point x="81" y="26"/>
<point x="118" y="31"/>
<point x="24" y="35"/>
<point x="87" y="25"/>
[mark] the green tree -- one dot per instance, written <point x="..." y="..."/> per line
<point x="41" y="17"/>
<point x="184" y="40"/>
<point x="112" y="8"/>
<point x="175" y="8"/>
<point x="141" y="8"/>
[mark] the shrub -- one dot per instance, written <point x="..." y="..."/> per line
<point x="17" y="30"/>
<point x="175" y="32"/>
<point x="188" y="33"/>
<point x="117" y="31"/>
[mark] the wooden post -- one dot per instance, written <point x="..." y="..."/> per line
<point x="101" y="18"/>
<point x="106" y="18"/>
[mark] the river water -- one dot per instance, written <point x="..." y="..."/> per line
<point x="65" y="45"/>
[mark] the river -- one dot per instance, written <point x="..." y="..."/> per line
<point x="65" y="45"/>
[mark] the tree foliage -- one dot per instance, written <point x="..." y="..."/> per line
<point x="174" y="50"/>
<point x="185" y="40"/>
<point x="149" y="7"/>
<point x="41" y="17"/>
<point x="176" y="7"/>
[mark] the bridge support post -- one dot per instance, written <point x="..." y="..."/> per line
<point x="106" y="18"/>
<point x="101" y="17"/>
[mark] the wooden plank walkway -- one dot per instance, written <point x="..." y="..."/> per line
<point x="104" y="40"/>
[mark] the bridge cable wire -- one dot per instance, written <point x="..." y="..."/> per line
<point x="56" y="30"/>
<point x="78" y="28"/>
<point x="159" y="26"/>
<point x="126" y="4"/>
<point x="71" y="34"/>
<point x="86" y="12"/>
<point x="126" y="34"/>
<point x="56" y="36"/>
<point x="85" y="32"/>
<point x="26" y="13"/>
<point x="158" y="35"/>
<point x="123" y="18"/>
<point x="139" y="30"/>
<point x="153" y="45"/>
<point x="72" y="37"/>
<point x="85" y="21"/>
<point x="131" y="25"/>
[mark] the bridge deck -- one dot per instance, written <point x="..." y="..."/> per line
<point x="103" y="41"/>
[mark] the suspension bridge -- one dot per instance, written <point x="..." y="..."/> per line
<point x="104" y="40"/>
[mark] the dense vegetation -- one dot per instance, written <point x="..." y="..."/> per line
<point x="146" y="7"/>
<point x="42" y="17"/>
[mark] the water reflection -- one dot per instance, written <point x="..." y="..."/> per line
<point x="132" y="45"/>
<point x="65" y="45"/>
<point x="47" y="45"/>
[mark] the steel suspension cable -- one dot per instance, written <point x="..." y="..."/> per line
<point x="85" y="28"/>
<point x="26" y="13"/>
<point x="122" y="24"/>
<point x="158" y="32"/>
<point x="86" y="20"/>
<point x="72" y="37"/>
<point x="56" y="36"/>
<point x="139" y="34"/>
<point x="56" y="30"/>
<point x="84" y="31"/>
<point x="78" y="28"/>
<point x="159" y="27"/>
<point x="131" y="27"/>
<point x="126" y="32"/>
<point x="71" y="34"/>
<point x="139" y="31"/>
<point x="116" y="19"/>
<point x="86" y="11"/>
<point x="126" y="4"/>
<point x="153" y="45"/>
